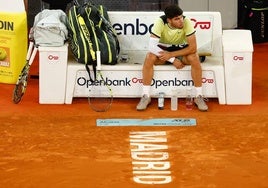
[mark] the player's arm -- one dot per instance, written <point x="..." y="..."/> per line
<point x="155" y="49"/>
<point x="153" y="45"/>
<point x="190" y="49"/>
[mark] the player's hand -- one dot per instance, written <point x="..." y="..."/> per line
<point x="178" y="64"/>
<point x="164" y="56"/>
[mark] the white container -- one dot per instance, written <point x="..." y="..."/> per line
<point x="238" y="66"/>
<point x="52" y="74"/>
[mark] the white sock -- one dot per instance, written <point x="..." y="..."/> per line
<point x="146" y="90"/>
<point x="198" y="91"/>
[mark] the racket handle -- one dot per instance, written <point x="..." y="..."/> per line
<point x="30" y="48"/>
<point x="33" y="55"/>
<point x="98" y="60"/>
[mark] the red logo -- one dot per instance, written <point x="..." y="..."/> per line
<point x="53" y="57"/>
<point x="202" y="25"/>
<point x="238" y="58"/>
<point x="207" y="80"/>
<point x="137" y="80"/>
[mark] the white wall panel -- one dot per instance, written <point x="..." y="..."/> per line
<point x="227" y="8"/>
<point x="194" y="5"/>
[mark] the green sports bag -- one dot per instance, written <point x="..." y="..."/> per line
<point x="90" y="30"/>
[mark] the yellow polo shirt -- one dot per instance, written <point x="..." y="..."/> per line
<point x="170" y="35"/>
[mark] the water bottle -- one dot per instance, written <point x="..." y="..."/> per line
<point x="161" y="101"/>
<point x="174" y="101"/>
<point x="189" y="99"/>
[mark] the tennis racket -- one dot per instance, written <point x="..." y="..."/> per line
<point x="100" y="94"/>
<point x="21" y="83"/>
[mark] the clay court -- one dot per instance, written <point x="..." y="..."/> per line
<point x="61" y="146"/>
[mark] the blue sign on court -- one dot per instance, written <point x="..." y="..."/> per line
<point x="147" y="122"/>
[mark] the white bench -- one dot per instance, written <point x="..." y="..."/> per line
<point x="133" y="33"/>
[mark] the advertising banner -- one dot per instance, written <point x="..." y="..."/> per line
<point x="13" y="40"/>
<point x="133" y="29"/>
<point x="129" y="83"/>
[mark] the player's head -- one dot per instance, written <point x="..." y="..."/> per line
<point x="174" y="16"/>
<point x="172" y="11"/>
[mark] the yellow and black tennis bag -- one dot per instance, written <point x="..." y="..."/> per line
<point x="90" y="30"/>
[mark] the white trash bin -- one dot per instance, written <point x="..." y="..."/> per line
<point x="238" y="49"/>
<point x="52" y="74"/>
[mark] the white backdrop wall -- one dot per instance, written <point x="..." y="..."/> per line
<point x="227" y="8"/>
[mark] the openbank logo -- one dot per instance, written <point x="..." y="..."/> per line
<point x="52" y="57"/>
<point x="238" y="58"/>
<point x="201" y="24"/>
<point x="130" y="82"/>
<point x="138" y="27"/>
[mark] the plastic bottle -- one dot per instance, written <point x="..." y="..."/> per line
<point x="189" y="99"/>
<point x="174" y="101"/>
<point x="161" y="100"/>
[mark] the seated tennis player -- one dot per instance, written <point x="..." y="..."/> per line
<point x="172" y="40"/>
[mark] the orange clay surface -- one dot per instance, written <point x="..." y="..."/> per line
<point x="61" y="146"/>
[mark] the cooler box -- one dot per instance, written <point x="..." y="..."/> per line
<point x="52" y="74"/>
<point x="238" y="48"/>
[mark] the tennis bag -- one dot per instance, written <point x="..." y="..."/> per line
<point x="253" y="15"/>
<point x="50" y="28"/>
<point x="258" y="21"/>
<point x="90" y="31"/>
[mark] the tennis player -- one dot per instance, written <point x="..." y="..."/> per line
<point x="172" y="40"/>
